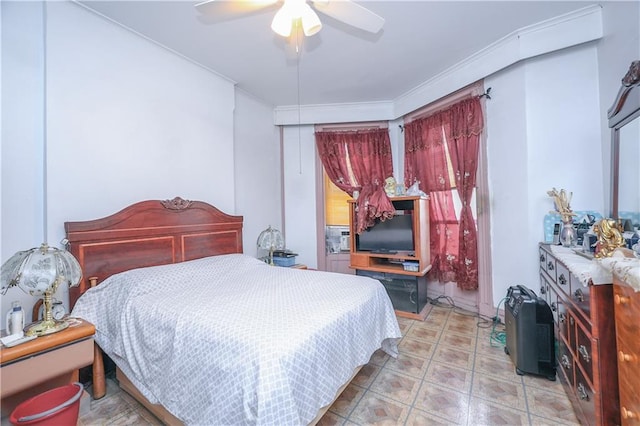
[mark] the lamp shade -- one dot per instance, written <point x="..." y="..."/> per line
<point x="270" y="239"/>
<point x="40" y="270"/>
<point x="290" y="12"/>
<point x="310" y="22"/>
<point x="282" y="22"/>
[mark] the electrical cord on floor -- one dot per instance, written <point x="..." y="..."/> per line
<point x="496" y="336"/>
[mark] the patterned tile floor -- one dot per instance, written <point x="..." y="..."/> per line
<point x="448" y="373"/>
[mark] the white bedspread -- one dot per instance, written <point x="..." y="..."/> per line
<point x="231" y="340"/>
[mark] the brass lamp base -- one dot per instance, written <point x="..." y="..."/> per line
<point x="42" y="328"/>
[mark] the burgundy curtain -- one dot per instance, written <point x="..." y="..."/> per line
<point x="426" y="162"/>
<point x="359" y="161"/>
<point x="454" y="255"/>
<point x="466" y="126"/>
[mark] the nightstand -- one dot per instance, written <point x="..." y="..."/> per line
<point x="44" y="363"/>
<point x="298" y="266"/>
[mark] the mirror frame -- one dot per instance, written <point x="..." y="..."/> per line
<point x="625" y="108"/>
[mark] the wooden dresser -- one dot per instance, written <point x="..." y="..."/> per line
<point x="627" y="309"/>
<point x="585" y="335"/>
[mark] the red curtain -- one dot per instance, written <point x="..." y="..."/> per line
<point x="454" y="253"/>
<point x="464" y="143"/>
<point x="359" y="160"/>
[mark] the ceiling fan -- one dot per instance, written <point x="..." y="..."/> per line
<point x="297" y="11"/>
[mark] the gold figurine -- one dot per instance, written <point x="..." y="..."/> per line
<point x="609" y="234"/>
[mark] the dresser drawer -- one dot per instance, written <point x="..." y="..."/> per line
<point x="627" y="309"/>
<point x="571" y="326"/>
<point x="586" y="396"/>
<point x="553" y="304"/>
<point x="545" y="289"/>
<point x="565" y="361"/>
<point x="563" y="278"/>
<point x="581" y="297"/>
<point x="629" y="371"/>
<point x="629" y="401"/>
<point x="584" y="352"/>
<point x="548" y="264"/>
<point x="627" y="304"/>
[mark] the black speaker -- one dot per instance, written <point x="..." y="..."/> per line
<point x="529" y="333"/>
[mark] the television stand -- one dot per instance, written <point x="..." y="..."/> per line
<point x="389" y="260"/>
<point x="406" y="285"/>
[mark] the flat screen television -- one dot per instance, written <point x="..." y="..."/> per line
<point x="395" y="234"/>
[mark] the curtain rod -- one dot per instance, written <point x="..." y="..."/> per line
<point x="351" y="126"/>
<point x="446" y="102"/>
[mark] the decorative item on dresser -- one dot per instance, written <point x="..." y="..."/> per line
<point x="581" y="298"/>
<point x="562" y="201"/>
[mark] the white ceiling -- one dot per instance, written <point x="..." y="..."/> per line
<point x="340" y="64"/>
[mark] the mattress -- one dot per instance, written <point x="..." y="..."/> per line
<point x="231" y="340"/>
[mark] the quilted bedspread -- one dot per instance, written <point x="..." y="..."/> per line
<point x="230" y="340"/>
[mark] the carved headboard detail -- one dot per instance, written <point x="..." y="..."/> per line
<point x="150" y="233"/>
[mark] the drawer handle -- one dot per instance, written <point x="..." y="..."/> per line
<point x="543" y="290"/>
<point x="584" y="353"/>
<point x="550" y="265"/>
<point x="562" y="279"/>
<point x="553" y="306"/>
<point x="542" y="258"/>
<point x="565" y="362"/>
<point x="579" y="295"/>
<point x="620" y="300"/>
<point x="626" y="357"/>
<point x="582" y="391"/>
<point x="562" y="317"/>
<point x="628" y="414"/>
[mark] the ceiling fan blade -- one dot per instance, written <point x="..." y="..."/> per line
<point x="226" y="9"/>
<point x="350" y="13"/>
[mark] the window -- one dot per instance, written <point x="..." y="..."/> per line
<point x="336" y="206"/>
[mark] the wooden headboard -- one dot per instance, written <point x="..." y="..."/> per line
<point x="149" y="233"/>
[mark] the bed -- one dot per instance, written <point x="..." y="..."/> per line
<point x="203" y="334"/>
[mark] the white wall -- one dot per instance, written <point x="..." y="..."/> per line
<point x="22" y="134"/>
<point x="128" y="124"/>
<point x="258" y="169"/>
<point x="126" y="120"/>
<point x="543" y="132"/>
<point x="299" y="177"/>
<point x="508" y="178"/>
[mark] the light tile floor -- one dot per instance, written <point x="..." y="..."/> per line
<point x="449" y="372"/>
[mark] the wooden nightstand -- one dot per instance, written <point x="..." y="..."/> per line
<point x="298" y="266"/>
<point x="44" y="363"/>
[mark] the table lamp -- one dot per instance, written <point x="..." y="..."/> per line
<point x="270" y="239"/>
<point x="38" y="272"/>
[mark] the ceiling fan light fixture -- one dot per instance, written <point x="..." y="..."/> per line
<point x="282" y="22"/>
<point x="310" y="21"/>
